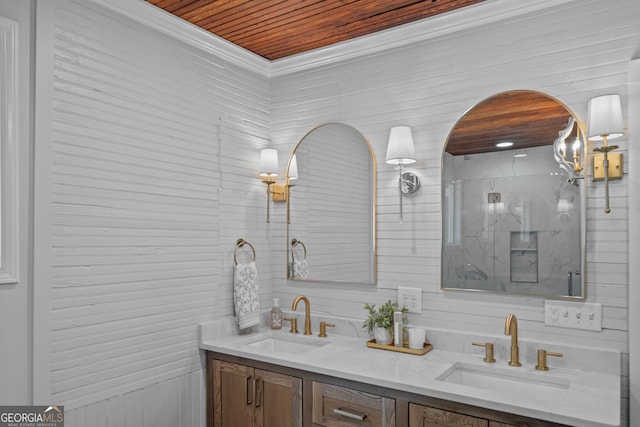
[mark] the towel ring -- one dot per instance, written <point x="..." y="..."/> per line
<point x="294" y="243"/>
<point x="240" y="243"/>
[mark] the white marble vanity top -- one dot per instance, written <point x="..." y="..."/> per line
<point x="584" y="397"/>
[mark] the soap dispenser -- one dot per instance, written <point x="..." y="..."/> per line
<point x="275" y="318"/>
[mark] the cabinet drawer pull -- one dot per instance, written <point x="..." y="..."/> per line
<point x="249" y="390"/>
<point x="259" y="390"/>
<point x="348" y="414"/>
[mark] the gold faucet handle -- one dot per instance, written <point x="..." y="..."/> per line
<point x="323" y="329"/>
<point x="542" y="359"/>
<point x="488" y="352"/>
<point x="294" y="324"/>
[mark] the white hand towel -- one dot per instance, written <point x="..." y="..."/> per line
<point x="300" y="269"/>
<point x="245" y="295"/>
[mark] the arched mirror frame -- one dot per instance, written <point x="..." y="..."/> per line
<point x="581" y="181"/>
<point x="373" y="226"/>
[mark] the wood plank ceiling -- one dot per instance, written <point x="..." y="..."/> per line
<point x="276" y="29"/>
<point x="526" y="118"/>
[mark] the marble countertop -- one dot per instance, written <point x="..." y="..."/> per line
<point x="584" y="397"/>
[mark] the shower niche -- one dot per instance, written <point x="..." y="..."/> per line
<point x="523" y="266"/>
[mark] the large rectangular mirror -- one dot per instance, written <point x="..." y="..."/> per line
<point x="331" y="207"/>
<point x="512" y="199"/>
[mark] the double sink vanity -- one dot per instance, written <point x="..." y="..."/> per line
<point x="512" y="223"/>
<point x="279" y="378"/>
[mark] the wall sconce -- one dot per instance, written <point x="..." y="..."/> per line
<point x="400" y="152"/>
<point x="605" y="122"/>
<point x="268" y="171"/>
<point x="569" y="157"/>
<point x="280" y="192"/>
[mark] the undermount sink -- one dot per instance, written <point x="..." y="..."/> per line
<point x="286" y="343"/>
<point x="508" y="380"/>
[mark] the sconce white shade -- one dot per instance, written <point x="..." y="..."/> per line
<point x="400" y="150"/>
<point x="564" y="206"/>
<point x="605" y="118"/>
<point x="269" y="162"/>
<point x="293" y="168"/>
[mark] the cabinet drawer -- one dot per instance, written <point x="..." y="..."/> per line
<point x="424" y="416"/>
<point x="335" y="406"/>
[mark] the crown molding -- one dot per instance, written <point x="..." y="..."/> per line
<point x="164" y="22"/>
<point x="487" y="12"/>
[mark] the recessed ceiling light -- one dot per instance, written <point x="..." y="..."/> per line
<point x="504" y="144"/>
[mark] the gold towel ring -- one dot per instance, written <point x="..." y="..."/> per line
<point x="294" y="243"/>
<point x="240" y="243"/>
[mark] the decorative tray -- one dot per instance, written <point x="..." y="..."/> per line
<point x="426" y="349"/>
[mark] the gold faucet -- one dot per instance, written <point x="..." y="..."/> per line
<point x="294" y="324"/>
<point x="323" y="329"/>
<point x="511" y="328"/>
<point x="307" y="312"/>
<point x="542" y="359"/>
<point x="488" y="351"/>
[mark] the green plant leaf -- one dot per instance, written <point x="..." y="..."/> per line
<point x="383" y="316"/>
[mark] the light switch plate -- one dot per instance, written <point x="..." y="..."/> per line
<point x="575" y="315"/>
<point x="410" y="298"/>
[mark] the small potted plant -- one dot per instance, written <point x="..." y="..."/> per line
<point x="380" y="321"/>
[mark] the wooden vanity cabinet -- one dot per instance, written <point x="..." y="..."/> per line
<point x="251" y="397"/>
<point x="246" y="393"/>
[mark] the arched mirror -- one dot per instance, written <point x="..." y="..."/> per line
<point x="512" y="198"/>
<point x="331" y="207"/>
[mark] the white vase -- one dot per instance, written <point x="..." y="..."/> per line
<point x="382" y="336"/>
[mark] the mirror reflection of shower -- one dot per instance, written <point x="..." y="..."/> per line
<point x="512" y="219"/>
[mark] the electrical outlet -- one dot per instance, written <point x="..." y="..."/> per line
<point x="575" y="315"/>
<point x="410" y="298"/>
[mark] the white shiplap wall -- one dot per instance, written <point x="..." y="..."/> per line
<point x="572" y="51"/>
<point x="154" y="155"/>
<point x="153" y="180"/>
